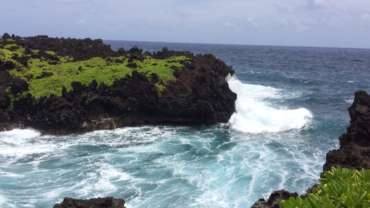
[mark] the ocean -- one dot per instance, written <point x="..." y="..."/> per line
<point x="291" y="108"/>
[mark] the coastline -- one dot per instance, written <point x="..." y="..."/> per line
<point x="108" y="89"/>
<point x="353" y="153"/>
<point x="336" y="159"/>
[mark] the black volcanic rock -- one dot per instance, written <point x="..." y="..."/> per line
<point x="198" y="95"/>
<point x="274" y="199"/>
<point x="108" y="202"/>
<point x="6" y="65"/>
<point x="354" y="151"/>
<point x="79" y="49"/>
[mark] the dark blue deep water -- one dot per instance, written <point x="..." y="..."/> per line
<point x="291" y="108"/>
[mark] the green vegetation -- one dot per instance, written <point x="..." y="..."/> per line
<point x="338" y="188"/>
<point x="48" y="76"/>
<point x="9" y="49"/>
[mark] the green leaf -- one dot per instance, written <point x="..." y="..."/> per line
<point x="338" y="188"/>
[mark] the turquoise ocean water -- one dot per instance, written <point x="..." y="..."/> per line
<point x="291" y="108"/>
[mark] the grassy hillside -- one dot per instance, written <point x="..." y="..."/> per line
<point x="48" y="73"/>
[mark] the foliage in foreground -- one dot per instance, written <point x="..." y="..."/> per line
<point x="48" y="73"/>
<point x="338" y="188"/>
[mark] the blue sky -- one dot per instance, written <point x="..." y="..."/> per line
<point x="338" y="23"/>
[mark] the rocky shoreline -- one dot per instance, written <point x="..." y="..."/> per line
<point x="165" y="87"/>
<point x="354" y="151"/>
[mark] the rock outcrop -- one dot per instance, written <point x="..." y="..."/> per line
<point x="274" y="199"/>
<point x="108" y="202"/>
<point x="354" y="151"/>
<point x="198" y="94"/>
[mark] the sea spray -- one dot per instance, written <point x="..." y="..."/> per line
<point x="255" y="115"/>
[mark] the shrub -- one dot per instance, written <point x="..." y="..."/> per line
<point x="338" y="188"/>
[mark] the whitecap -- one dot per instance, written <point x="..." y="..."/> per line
<point x="3" y="200"/>
<point x="22" y="142"/>
<point x="254" y="114"/>
<point x="19" y="134"/>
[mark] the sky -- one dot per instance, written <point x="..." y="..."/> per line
<point x="332" y="23"/>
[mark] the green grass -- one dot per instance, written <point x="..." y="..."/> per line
<point x="46" y="78"/>
<point x="338" y="188"/>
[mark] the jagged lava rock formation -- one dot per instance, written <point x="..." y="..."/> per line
<point x="108" y="202"/>
<point x="275" y="198"/>
<point x="354" y="151"/>
<point x="61" y="86"/>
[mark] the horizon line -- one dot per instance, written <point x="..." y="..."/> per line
<point x="241" y="44"/>
<point x="205" y="43"/>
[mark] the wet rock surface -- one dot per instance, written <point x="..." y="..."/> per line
<point x="108" y="202"/>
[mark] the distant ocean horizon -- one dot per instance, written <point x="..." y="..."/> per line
<point x="114" y="42"/>
<point x="291" y="108"/>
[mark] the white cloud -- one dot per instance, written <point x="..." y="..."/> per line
<point x="239" y="21"/>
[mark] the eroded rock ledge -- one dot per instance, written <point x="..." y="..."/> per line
<point x="274" y="199"/>
<point x="113" y="88"/>
<point x="108" y="202"/>
<point x="354" y="151"/>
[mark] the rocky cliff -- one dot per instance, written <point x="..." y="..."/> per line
<point x="354" y="151"/>
<point x="61" y="86"/>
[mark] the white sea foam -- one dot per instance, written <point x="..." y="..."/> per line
<point x="54" y="194"/>
<point x="254" y="114"/>
<point x="112" y="173"/>
<point x="2" y="200"/>
<point x="129" y="136"/>
<point x="19" y="134"/>
<point x="22" y="142"/>
<point x="102" y="180"/>
<point x="349" y="100"/>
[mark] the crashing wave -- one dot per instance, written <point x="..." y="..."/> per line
<point x="255" y="115"/>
